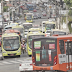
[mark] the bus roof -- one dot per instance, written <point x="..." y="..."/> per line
<point x="11" y="30"/>
<point x="18" y="26"/>
<point x="27" y="23"/>
<point x="9" y="34"/>
<point x="44" y="21"/>
<point x="36" y="33"/>
<point x="50" y="22"/>
<point x="63" y="37"/>
<point x="33" y="29"/>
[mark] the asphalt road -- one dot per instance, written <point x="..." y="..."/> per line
<point x="11" y="64"/>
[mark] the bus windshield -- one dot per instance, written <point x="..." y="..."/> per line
<point x="29" y="17"/>
<point x="27" y="26"/>
<point x="11" y="43"/>
<point x="44" y="51"/>
<point x="50" y="26"/>
<point x="30" y="39"/>
<point x="59" y="32"/>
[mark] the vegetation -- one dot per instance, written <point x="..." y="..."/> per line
<point x="5" y="8"/>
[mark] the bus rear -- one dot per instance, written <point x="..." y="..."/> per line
<point x="44" y="53"/>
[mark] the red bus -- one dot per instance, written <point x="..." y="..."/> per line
<point x="52" y="53"/>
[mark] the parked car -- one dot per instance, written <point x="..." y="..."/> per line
<point x="34" y="10"/>
<point x="47" y="33"/>
<point x="37" y="8"/>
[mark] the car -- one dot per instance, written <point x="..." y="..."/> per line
<point x="39" y="15"/>
<point x="44" y="13"/>
<point x="26" y="65"/>
<point x="34" y="10"/>
<point x="37" y="8"/>
<point x="35" y="16"/>
<point x="30" y="11"/>
<point x="51" y="19"/>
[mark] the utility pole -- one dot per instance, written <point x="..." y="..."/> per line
<point x="12" y="11"/>
<point x="19" y="7"/>
<point x="2" y="15"/>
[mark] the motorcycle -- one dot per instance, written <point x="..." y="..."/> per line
<point x="23" y="50"/>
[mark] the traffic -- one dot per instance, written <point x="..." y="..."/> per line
<point x="34" y="42"/>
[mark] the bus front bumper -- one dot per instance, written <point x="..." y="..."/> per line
<point x="11" y="53"/>
<point x="29" y="21"/>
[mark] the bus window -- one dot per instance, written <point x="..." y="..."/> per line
<point x="68" y="51"/>
<point x="61" y="44"/>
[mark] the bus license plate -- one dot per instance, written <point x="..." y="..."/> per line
<point x="12" y="55"/>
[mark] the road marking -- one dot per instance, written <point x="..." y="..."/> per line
<point x="14" y="62"/>
<point x="5" y="62"/>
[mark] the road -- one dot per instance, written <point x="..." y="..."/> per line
<point x="11" y="64"/>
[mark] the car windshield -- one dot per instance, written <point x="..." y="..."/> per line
<point x="11" y="43"/>
<point x="48" y="31"/>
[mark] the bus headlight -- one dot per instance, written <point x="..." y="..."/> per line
<point x="4" y="52"/>
<point x="30" y="50"/>
<point x="19" y="50"/>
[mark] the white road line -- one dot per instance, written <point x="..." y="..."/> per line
<point x="6" y="62"/>
<point x="14" y="62"/>
<point x="20" y="61"/>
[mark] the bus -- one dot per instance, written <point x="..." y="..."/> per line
<point x="11" y="45"/>
<point x="29" y="41"/>
<point x="52" y="53"/>
<point x="35" y="30"/>
<point x="27" y="26"/>
<point x="10" y="26"/>
<point x="13" y="31"/>
<point x="43" y="26"/>
<point x="50" y="25"/>
<point x="58" y="32"/>
<point x="29" y="17"/>
<point x="19" y="28"/>
<point x="29" y="6"/>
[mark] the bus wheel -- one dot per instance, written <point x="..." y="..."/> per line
<point x="18" y="55"/>
<point x="29" y="55"/>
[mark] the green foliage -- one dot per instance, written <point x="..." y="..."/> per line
<point x="69" y="26"/>
<point x="5" y="8"/>
<point x="68" y="2"/>
<point x="70" y="13"/>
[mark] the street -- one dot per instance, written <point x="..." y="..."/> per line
<point x="11" y="64"/>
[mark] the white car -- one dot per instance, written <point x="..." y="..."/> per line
<point x="26" y="66"/>
<point x="47" y="33"/>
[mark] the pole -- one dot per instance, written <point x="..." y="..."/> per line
<point x="2" y="15"/>
<point x="12" y="11"/>
<point x="19" y="7"/>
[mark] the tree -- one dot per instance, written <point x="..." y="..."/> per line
<point x="68" y="2"/>
<point x="5" y="8"/>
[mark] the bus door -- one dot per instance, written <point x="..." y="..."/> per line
<point x="65" y="58"/>
<point x="68" y="47"/>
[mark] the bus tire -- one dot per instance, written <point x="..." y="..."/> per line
<point x="18" y="55"/>
<point x="29" y="55"/>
